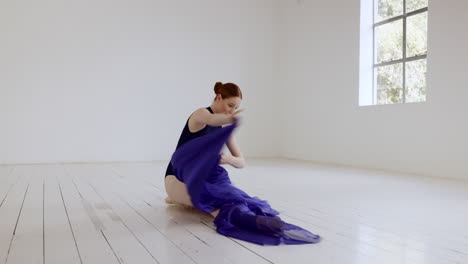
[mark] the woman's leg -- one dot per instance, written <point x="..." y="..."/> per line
<point x="177" y="193"/>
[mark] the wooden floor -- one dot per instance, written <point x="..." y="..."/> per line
<point x="115" y="213"/>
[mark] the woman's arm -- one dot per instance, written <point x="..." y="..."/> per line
<point x="203" y="116"/>
<point x="236" y="159"/>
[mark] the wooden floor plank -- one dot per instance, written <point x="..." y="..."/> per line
<point x="27" y="245"/>
<point x="92" y="245"/>
<point x="160" y="247"/>
<point x="125" y="244"/>
<point x="59" y="239"/>
<point x="7" y="181"/>
<point x="10" y="212"/>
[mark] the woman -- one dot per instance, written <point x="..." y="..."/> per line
<point x="222" y="111"/>
<point x="195" y="179"/>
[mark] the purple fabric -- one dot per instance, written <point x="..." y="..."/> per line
<point x="196" y="163"/>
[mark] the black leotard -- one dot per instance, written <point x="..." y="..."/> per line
<point x="187" y="136"/>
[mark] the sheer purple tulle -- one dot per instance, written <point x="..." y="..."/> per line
<point x="196" y="164"/>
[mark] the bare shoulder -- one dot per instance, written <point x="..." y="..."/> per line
<point x="198" y="119"/>
<point x="201" y="111"/>
<point x="200" y="114"/>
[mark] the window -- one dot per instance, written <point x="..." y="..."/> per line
<point x="399" y="51"/>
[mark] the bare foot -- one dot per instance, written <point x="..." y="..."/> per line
<point x="170" y="201"/>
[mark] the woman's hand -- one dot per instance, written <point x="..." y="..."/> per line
<point x="233" y="117"/>
<point x="236" y="162"/>
<point x="225" y="158"/>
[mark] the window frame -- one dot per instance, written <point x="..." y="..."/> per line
<point x="404" y="59"/>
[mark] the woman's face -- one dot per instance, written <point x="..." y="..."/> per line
<point x="230" y="105"/>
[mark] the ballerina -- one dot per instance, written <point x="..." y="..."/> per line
<point x="194" y="177"/>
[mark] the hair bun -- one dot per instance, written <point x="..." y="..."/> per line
<point x="217" y="87"/>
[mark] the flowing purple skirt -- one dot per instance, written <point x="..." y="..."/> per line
<point x="196" y="163"/>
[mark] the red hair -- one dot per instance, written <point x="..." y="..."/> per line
<point x="227" y="90"/>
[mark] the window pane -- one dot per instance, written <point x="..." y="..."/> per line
<point x="412" y="5"/>
<point x="389" y="41"/>
<point x="387" y="8"/>
<point x="416" y="27"/>
<point x="416" y="81"/>
<point x="389" y="84"/>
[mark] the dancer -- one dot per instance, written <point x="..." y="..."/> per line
<point x="195" y="179"/>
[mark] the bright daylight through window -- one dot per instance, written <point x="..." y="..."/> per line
<point x="399" y="52"/>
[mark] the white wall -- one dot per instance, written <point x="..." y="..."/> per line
<point x="323" y="122"/>
<point x="102" y="80"/>
<point x="109" y="80"/>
